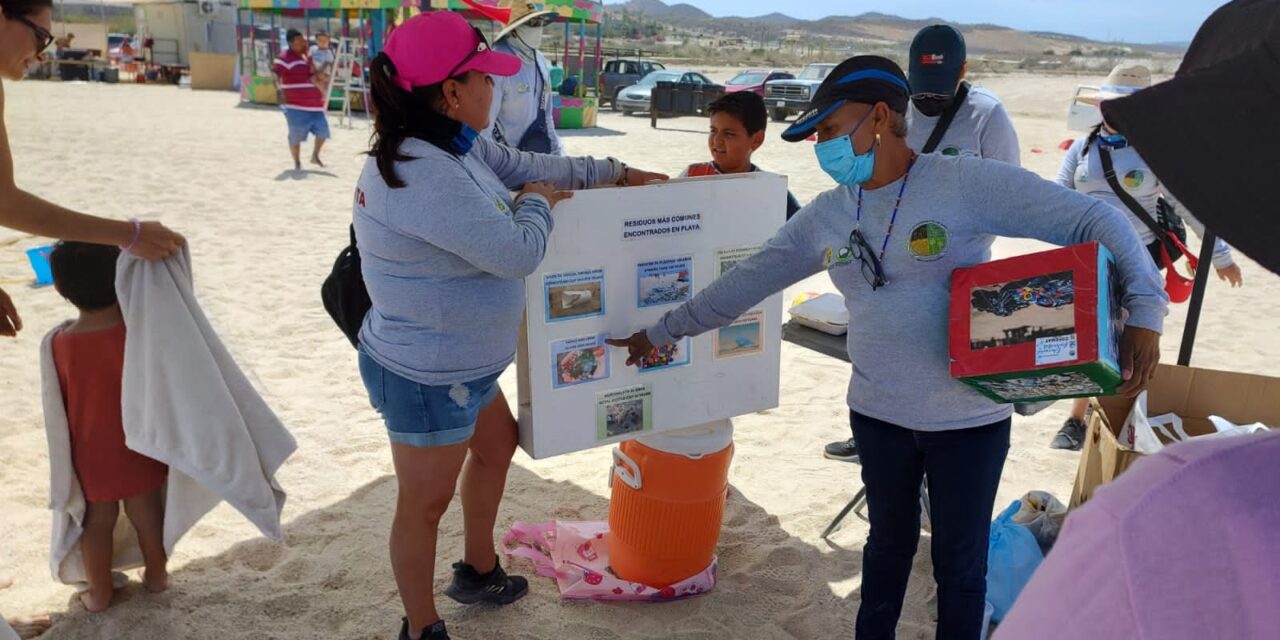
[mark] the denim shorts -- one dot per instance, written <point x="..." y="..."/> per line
<point x="420" y="415"/>
<point x="302" y="123"/>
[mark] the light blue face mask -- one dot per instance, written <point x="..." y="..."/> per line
<point x="842" y="163"/>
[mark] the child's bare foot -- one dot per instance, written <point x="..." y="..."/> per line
<point x="156" y="582"/>
<point x="30" y="626"/>
<point x="96" y="602"/>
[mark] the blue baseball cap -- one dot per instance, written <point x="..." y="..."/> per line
<point x="937" y="56"/>
<point x="861" y="79"/>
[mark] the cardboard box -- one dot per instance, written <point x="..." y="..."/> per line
<point x="1043" y="326"/>
<point x="618" y="260"/>
<point x="1192" y="394"/>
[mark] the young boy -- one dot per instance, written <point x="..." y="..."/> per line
<point x="323" y="58"/>
<point x="89" y="357"/>
<point x="737" y="129"/>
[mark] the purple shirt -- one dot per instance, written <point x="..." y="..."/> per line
<point x="1185" y="545"/>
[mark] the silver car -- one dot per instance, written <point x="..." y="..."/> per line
<point x="635" y="98"/>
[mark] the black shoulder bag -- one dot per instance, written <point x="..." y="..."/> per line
<point x="1172" y="235"/>
<point x="344" y="294"/>
<point x="944" y="121"/>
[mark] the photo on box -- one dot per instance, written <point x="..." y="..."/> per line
<point x="1022" y="311"/>
<point x="742" y="338"/>
<point x="727" y="259"/>
<point x="579" y="360"/>
<point x="624" y="411"/>
<point x="573" y="295"/>
<point x="660" y="282"/>
<point x="1070" y="383"/>
<point x="666" y="357"/>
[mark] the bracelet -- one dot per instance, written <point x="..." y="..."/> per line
<point x="137" y="233"/>
<point x="626" y="171"/>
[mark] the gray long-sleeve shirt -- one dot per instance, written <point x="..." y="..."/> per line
<point x="952" y="210"/>
<point x="444" y="257"/>
<point x="981" y="128"/>
<point x="1083" y="172"/>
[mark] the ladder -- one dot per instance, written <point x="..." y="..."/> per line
<point x="350" y="55"/>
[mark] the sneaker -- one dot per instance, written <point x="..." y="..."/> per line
<point x="433" y="632"/>
<point x="1070" y="436"/>
<point x="844" y="451"/>
<point x="496" y="587"/>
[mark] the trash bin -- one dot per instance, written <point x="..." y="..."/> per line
<point x="664" y="98"/>
<point x="110" y="76"/>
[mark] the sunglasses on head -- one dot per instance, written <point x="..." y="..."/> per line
<point x="43" y="37"/>
<point x="482" y="45"/>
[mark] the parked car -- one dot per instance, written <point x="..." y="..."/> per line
<point x="786" y="98"/>
<point x="754" y="80"/>
<point x="620" y="74"/>
<point x="635" y="98"/>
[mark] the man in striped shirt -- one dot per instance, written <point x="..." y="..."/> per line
<point x="303" y="102"/>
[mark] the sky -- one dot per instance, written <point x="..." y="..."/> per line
<point x="1135" y="21"/>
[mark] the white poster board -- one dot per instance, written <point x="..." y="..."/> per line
<point x="619" y="259"/>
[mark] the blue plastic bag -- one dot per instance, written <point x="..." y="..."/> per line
<point x="1012" y="557"/>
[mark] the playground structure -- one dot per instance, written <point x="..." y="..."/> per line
<point x="261" y="24"/>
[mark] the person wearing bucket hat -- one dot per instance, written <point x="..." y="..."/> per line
<point x="1082" y="170"/>
<point x="521" y="115"/>
<point x="24" y="37"/>
<point x="889" y="235"/>
<point x="444" y="250"/>
<point x="947" y="116"/>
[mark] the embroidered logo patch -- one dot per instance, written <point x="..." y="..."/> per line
<point x="832" y="257"/>
<point x="1134" y="179"/>
<point x="502" y="206"/>
<point x="928" y="241"/>
<point x="951" y="151"/>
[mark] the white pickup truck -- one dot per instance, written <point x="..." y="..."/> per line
<point x="786" y="98"/>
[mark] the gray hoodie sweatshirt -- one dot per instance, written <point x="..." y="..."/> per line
<point x="445" y="257"/>
<point x="951" y="212"/>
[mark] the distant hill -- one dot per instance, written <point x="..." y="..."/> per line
<point x="868" y="30"/>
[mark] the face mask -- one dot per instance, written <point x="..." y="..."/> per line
<point x="531" y="36"/>
<point x="1115" y="140"/>
<point x="842" y="163"/>
<point x="931" y="106"/>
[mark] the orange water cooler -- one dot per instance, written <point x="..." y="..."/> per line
<point x="668" y="503"/>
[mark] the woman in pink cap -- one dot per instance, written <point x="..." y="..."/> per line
<point x="445" y="249"/>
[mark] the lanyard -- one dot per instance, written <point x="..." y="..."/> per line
<point x="892" y="219"/>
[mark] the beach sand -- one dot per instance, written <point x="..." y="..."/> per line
<point x="263" y="240"/>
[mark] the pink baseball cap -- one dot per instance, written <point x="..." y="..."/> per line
<point x="432" y="47"/>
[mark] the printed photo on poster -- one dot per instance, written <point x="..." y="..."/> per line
<point x="667" y="357"/>
<point x="573" y="295"/>
<point x="667" y="281"/>
<point x="742" y="338"/>
<point x="579" y="360"/>
<point x="1022" y="311"/>
<point x="624" y="411"/>
<point x="727" y="259"/>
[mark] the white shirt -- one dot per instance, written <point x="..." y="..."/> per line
<point x="516" y="98"/>
<point x="1085" y="175"/>
<point x="981" y="129"/>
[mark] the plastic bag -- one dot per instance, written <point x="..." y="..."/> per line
<point x="1012" y="557"/>
<point x="1042" y="514"/>
<point x="1139" y="431"/>
<point x="576" y="554"/>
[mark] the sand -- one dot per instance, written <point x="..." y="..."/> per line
<point x="262" y="242"/>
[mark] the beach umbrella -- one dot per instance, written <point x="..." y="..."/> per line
<point x="1211" y="134"/>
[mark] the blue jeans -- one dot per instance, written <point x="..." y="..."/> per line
<point x="963" y="467"/>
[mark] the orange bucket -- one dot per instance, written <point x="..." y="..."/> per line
<point x="666" y="512"/>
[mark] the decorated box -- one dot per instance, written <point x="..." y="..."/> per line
<point x="573" y="113"/>
<point x="1043" y="326"/>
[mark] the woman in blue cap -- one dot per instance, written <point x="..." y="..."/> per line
<point x="890" y="235"/>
